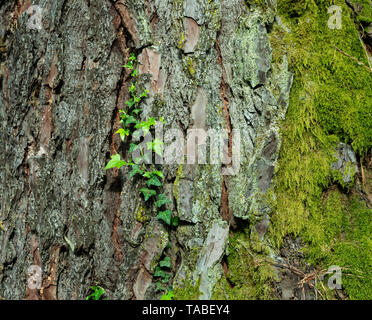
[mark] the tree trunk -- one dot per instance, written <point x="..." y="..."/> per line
<point x="206" y="64"/>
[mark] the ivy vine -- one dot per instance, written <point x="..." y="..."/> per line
<point x="132" y="127"/>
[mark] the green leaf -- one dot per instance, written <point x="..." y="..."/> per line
<point x="130" y="119"/>
<point x="146" y="125"/>
<point x="98" y="292"/>
<point x="135" y="170"/>
<point x="130" y="103"/>
<point x="166" y="216"/>
<point x="166" y="278"/>
<point x="168" y="296"/>
<point x="147" y="174"/>
<point x="154" y="181"/>
<point x="159" y="286"/>
<point x="115" y="162"/>
<point x="132" y="147"/>
<point x="132" y="87"/>
<point x="148" y="193"/>
<point x="157" y="146"/>
<point x="159" y="273"/>
<point x="128" y="66"/>
<point x="175" y="221"/>
<point x="136" y="111"/>
<point x="162" y="199"/>
<point x="158" y="173"/>
<point x="134" y="73"/>
<point x="123" y="133"/>
<point x="165" y="263"/>
<point x="144" y="94"/>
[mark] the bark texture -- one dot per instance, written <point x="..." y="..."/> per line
<point x="207" y="64"/>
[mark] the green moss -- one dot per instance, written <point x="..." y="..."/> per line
<point x="190" y="65"/>
<point x="182" y="41"/>
<point x="177" y="182"/>
<point x="250" y="273"/>
<point x="340" y="235"/>
<point x="330" y="101"/>
<point x="141" y="215"/>
<point x="187" y="291"/>
<point x="338" y="177"/>
<point x="363" y="9"/>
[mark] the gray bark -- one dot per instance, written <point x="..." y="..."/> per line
<point x="207" y="64"/>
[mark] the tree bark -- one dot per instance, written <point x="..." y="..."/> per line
<point x="207" y="64"/>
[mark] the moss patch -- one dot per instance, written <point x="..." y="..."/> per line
<point x="187" y="291"/>
<point x="250" y="273"/>
<point x="330" y="101"/>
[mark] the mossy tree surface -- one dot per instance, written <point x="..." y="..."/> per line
<point x="331" y="101"/>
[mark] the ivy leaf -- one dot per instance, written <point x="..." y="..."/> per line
<point x="131" y="119"/>
<point x="137" y="134"/>
<point x="154" y="181"/>
<point x="159" y="286"/>
<point x="158" y="173"/>
<point x="162" y="199"/>
<point x="146" y="125"/>
<point x="166" y="216"/>
<point x="115" y="162"/>
<point x="147" y="174"/>
<point x="135" y="170"/>
<point x="146" y="157"/>
<point x="166" y="278"/>
<point x="159" y="273"/>
<point x="130" y="103"/>
<point x="148" y="193"/>
<point x="132" y="87"/>
<point x="157" y="146"/>
<point x="134" y="73"/>
<point x="123" y="133"/>
<point x="144" y="94"/>
<point x="132" y="147"/>
<point x="98" y="292"/>
<point x="165" y="263"/>
<point x="137" y="160"/>
<point x="128" y="66"/>
<point x="175" y="221"/>
<point x="168" y="296"/>
<point x="136" y="111"/>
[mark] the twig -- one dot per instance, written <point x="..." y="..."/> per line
<point x="363" y="176"/>
<point x="355" y="59"/>
<point x="364" y="47"/>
